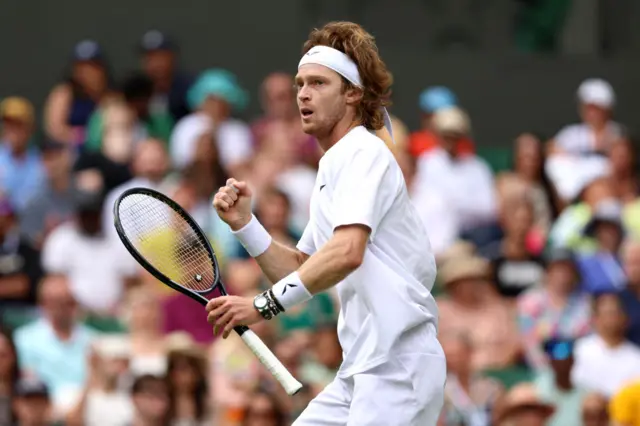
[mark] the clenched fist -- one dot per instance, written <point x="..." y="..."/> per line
<point x="233" y="204"/>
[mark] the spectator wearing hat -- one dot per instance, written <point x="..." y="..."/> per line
<point x="598" y="131"/>
<point x="20" y="268"/>
<point x="71" y="102"/>
<point x="158" y="55"/>
<point x="21" y="171"/>
<point x="214" y="98"/>
<point x="606" y="360"/>
<point x="556" y="309"/>
<point x="630" y="295"/>
<point x="522" y="406"/>
<point x="32" y="404"/>
<point x="579" y="151"/>
<point x="602" y="271"/>
<point x="470" y="307"/>
<point x="137" y="92"/>
<point x="432" y="100"/>
<point x="554" y="384"/>
<point x="55" y="346"/>
<point x="464" y="183"/>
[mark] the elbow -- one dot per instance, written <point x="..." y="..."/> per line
<point x="350" y="257"/>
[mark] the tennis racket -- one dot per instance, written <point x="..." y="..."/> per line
<point x="169" y="244"/>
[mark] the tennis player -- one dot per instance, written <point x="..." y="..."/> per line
<point x="364" y="237"/>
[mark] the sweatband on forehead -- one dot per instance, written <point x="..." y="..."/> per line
<point x="343" y="65"/>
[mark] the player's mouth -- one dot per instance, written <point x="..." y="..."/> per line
<point x="305" y="113"/>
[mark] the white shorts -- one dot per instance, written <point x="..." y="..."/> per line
<point x="406" y="391"/>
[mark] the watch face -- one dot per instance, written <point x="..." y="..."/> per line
<point x="260" y="302"/>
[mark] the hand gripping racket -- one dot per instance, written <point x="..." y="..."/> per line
<point x="169" y="244"/>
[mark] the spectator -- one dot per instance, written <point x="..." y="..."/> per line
<point x="278" y="101"/>
<point x="105" y="401"/>
<point x="150" y="166"/>
<point x="521" y="406"/>
<point x="516" y="266"/>
<point x="555" y="310"/>
<point x="594" y="410"/>
<point x="32" y="403"/>
<point x="71" y="102"/>
<point x="601" y="271"/>
<point x="21" y="171"/>
<point x="263" y="410"/>
<point x="143" y="318"/>
<point x="53" y="203"/>
<point x="598" y="131"/>
<point x="432" y="100"/>
<point x="469" y="308"/>
<point x="554" y="385"/>
<point x="170" y="85"/>
<point x="99" y="268"/>
<point x="150" y="395"/>
<point x="20" y="268"/>
<point x="469" y="397"/>
<point x="137" y="91"/>
<point x="464" y="182"/>
<point x="571" y="160"/>
<point x="213" y="98"/>
<point x="9" y="374"/>
<point x="605" y="360"/>
<point x="624" y="405"/>
<point x="187" y="377"/>
<point x="54" y="347"/>
<point x="529" y="165"/>
<point x="630" y="295"/>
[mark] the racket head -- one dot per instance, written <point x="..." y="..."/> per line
<point x="188" y="263"/>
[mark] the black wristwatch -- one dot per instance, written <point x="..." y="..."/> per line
<point x="266" y="305"/>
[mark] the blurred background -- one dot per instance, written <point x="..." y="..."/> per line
<point x="514" y="126"/>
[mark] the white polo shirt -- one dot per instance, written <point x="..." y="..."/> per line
<point x="386" y="304"/>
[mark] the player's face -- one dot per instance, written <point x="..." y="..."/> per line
<point x="322" y="102"/>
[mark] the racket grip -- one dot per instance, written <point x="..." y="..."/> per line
<point x="273" y="364"/>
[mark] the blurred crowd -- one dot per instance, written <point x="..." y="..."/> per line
<point x="539" y="263"/>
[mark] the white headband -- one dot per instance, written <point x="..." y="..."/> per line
<point x="343" y="65"/>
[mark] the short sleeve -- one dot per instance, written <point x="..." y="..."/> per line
<point x="306" y="244"/>
<point x="364" y="190"/>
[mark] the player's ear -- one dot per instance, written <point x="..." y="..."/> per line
<point x="354" y="95"/>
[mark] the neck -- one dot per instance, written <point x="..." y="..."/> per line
<point x="514" y="245"/>
<point x="343" y="127"/>
<point x="63" y="332"/>
<point x="612" y="340"/>
<point x="563" y="383"/>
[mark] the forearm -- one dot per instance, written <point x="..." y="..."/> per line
<point x="326" y="268"/>
<point x="279" y="261"/>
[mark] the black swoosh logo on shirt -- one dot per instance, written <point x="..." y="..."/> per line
<point x="322" y="186"/>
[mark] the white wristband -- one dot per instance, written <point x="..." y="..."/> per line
<point x="290" y="291"/>
<point x="253" y="237"/>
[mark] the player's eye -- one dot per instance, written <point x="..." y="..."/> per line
<point x="318" y="82"/>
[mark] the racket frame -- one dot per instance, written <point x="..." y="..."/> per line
<point x="262" y="352"/>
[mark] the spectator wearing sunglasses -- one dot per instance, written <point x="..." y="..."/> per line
<point x="554" y="384"/>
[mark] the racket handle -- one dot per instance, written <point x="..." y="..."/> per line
<point x="273" y="364"/>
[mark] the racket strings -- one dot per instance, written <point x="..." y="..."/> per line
<point x="167" y="241"/>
